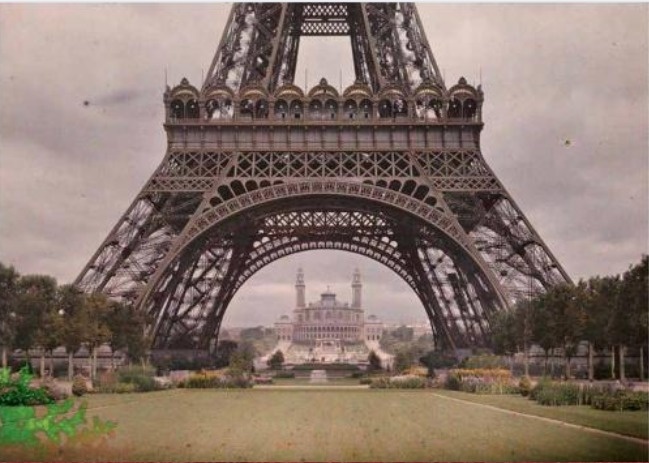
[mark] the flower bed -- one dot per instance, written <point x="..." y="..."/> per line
<point x="481" y="381"/>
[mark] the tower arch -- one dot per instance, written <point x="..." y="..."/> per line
<point x="249" y="176"/>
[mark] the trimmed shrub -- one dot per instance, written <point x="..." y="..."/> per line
<point x="79" y="386"/>
<point x="124" y="388"/>
<point x="141" y="378"/>
<point x="620" y="400"/>
<point x="559" y="394"/>
<point x="15" y="389"/>
<point x="365" y="381"/>
<point x="399" y="382"/>
<point x="220" y="380"/>
<point x="452" y="382"/>
<point x="525" y="386"/>
<point x="284" y="374"/>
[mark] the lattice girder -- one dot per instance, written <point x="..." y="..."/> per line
<point x="257" y="168"/>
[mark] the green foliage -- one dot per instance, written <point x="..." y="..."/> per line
<point x="141" y="378"/>
<point x="36" y="298"/>
<point x="401" y="339"/>
<point x="284" y="374"/>
<point x="503" y="331"/>
<point x="403" y="360"/>
<point x="452" y="382"/>
<point x="276" y="360"/>
<point x="79" y="386"/>
<point x="483" y="361"/>
<point x="437" y="360"/>
<point x="481" y="381"/>
<point x="241" y="360"/>
<point x="224" y="351"/>
<point x="124" y="388"/>
<point x="228" y="381"/>
<point x="365" y="381"/>
<point x="559" y="394"/>
<point x="15" y="390"/>
<point x="525" y="386"/>
<point x="399" y="382"/>
<point x="374" y="361"/>
<point x="8" y="295"/>
<point x="259" y="338"/>
<point x="22" y="426"/>
<point x="620" y="400"/>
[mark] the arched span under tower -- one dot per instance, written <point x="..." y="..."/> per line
<point x="258" y="168"/>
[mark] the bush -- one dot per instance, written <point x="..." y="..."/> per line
<point x="221" y="380"/>
<point x="365" y="381"/>
<point x="620" y="400"/>
<point x="525" y="386"/>
<point x="480" y="381"/>
<point x="79" y="386"/>
<point x="54" y="389"/>
<point x="15" y="389"/>
<point x="141" y="378"/>
<point x="124" y="388"/>
<point x="284" y="374"/>
<point x="399" y="382"/>
<point x="559" y="394"/>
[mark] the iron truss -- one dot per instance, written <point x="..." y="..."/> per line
<point x="258" y="169"/>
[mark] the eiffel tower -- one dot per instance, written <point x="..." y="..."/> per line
<point x="257" y="169"/>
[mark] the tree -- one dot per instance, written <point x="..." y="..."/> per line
<point x="437" y="359"/>
<point x="608" y="303"/>
<point x="70" y="303"/>
<point x="8" y="296"/>
<point x="127" y="331"/>
<point x="276" y="360"/>
<point x="630" y="320"/>
<point x="241" y="360"/>
<point x="96" y="308"/>
<point x="403" y="360"/>
<point x="596" y="317"/>
<point x="374" y="361"/>
<point x="522" y="321"/>
<point x="543" y="330"/>
<point x="35" y="304"/>
<point x="503" y="334"/>
<point x="563" y="302"/>
<point x="224" y="351"/>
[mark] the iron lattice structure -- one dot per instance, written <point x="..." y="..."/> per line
<point x="256" y="169"/>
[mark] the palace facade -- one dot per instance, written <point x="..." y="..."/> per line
<point x="328" y="319"/>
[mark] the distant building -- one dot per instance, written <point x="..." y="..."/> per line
<point x="328" y="319"/>
<point x="329" y="330"/>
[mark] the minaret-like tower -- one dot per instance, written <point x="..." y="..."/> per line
<point x="300" y="300"/>
<point x="357" y="286"/>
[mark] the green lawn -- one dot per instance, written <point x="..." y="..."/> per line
<point x="629" y="423"/>
<point x="327" y="425"/>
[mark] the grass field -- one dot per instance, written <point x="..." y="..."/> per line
<point x="629" y="423"/>
<point x="328" y="425"/>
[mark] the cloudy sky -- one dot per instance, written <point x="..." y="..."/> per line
<point x="551" y="74"/>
